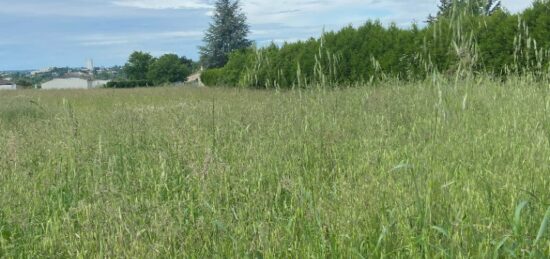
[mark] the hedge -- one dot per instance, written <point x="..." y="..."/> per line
<point x="129" y="84"/>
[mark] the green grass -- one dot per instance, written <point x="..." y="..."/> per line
<point x="400" y="170"/>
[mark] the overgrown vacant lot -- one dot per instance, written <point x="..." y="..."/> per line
<point x="396" y="170"/>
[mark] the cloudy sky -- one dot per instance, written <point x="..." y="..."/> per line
<point x="44" y="33"/>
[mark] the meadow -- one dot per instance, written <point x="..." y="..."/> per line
<point x="432" y="169"/>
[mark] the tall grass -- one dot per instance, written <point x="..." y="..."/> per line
<point x="452" y="166"/>
<point x="427" y="169"/>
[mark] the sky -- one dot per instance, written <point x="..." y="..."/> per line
<point x="58" y="33"/>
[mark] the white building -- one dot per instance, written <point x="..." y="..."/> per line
<point x="7" y="85"/>
<point x="73" y="83"/>
<point x="83" y="79"/>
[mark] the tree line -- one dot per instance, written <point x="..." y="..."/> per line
<point x="143" y="70"/>
<point x="227" y="32"/>
<point x="463" y="38"/>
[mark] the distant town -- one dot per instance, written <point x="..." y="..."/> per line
<point x="60" y="77"/>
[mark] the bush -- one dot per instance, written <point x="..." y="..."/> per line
<point x="213" y="77"/>
<point x="232" y="73"/>
<point x="168" y="68"/>
<point x="23" y="83"/>
<point x="498" y="44"/>
<point x="129" y="84"/>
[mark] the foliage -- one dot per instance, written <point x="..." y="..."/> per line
<point x="228" y="32"/>
<point x="456" y="46"/>
<point x="233" y="70"/>
<point x="142" y="69"/>
<point x="23" y="83"/>
<point x="168" y="68"/>
<point x="112" y="73"/>
<point x="448" y="8"/>
<point x="138" y="65"/>
<point x="129" y="84"/>
<point x="214" y="77"/>
<point x="190" y="64"/>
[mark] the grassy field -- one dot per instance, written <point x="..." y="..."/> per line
<point x="427" y="170"/>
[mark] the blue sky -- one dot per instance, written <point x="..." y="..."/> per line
<point x="46" y="33"/>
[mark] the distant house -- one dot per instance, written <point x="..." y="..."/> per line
<point x="73" y="82"/>
<point x="83" y="79"/>
<point x="7" y="85"/>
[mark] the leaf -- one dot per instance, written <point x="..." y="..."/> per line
<point x="5" y="234"/>
<point x="441" y="231"/>
<point x="400" y="167"/>
<point x="499" y="246"/>
<point x="381" y="238"/>
<point x="543" y="226"/>
<point x="517" y="217"/>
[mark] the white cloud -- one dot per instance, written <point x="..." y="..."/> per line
<point x="163" y="4"/>
<point x="122" y="39"/>
<point x="104" y="42"/>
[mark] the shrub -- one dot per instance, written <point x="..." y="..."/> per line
<point x="213" y="77"/>
<point x="129" y="84"/>
<point x="464" y="44"/>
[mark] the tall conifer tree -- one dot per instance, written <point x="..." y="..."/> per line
<point x="228" y="32"/>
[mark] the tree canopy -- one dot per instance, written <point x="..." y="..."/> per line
<point x="499" y="44"/>
<point x="168" y="68"/>
<point x="138" y="65"/>
<point x="142" y="69"/>
<point x="446" y="8"/>
<point x="227" y="32"/>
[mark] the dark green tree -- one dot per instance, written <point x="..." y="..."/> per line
<point x="228" y="32"/>
<point x="138" y="65"/>
<point x="495" y="44"/>
<point x="192" y="65"/>
<point x="473" y="7"/>
<point x="23" y="83"/>
<point x="168" y="69"/>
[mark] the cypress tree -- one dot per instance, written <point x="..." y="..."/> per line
<point x="227" y="32"/>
